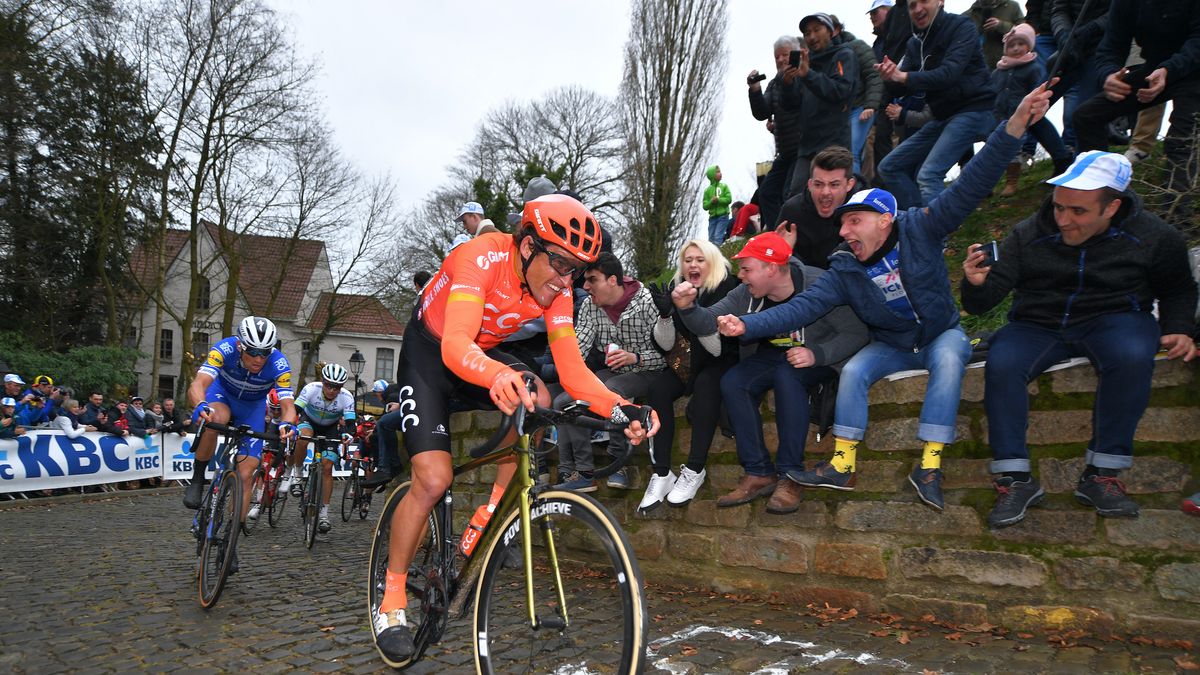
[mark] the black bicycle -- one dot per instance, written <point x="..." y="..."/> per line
<point x="310" y="493"/>
<point x="354" y="496"/>
<point x="217" y="522"/>
<point x="554" y="578"/>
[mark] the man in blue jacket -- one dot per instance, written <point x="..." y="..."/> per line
<point x="892" y="274"/>
<point x="943" y="60"/>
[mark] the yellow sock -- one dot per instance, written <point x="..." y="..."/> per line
<point x="931" y="457"/>
<point x="843" y="454"/>
<point x="394" y="594"/>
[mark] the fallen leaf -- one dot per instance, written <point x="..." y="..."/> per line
<point x="903" y="639"/>
<point x="1186" y="663"/>
<point x="326" y="629"/>
<point x="1021" y="648"/>
<point x="883" y="632"/>
<point x="688" y="650"/>
<point x="758" y="622"/>
<point x="1025" y="636"/>
<point x="953" y="636"/>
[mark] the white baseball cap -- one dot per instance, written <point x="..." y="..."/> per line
<point x="469" y="207"/>
<point x="880" y="3"/>
<point x="13" y="377"/>
<point x="1096" y="169"/>
<point x="7" y="400"/>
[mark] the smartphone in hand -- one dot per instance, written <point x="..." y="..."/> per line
<point x="794" y="58"/>
<point x="991" y="253"/>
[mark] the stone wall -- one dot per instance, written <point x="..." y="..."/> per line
<point x="879" y="549"/>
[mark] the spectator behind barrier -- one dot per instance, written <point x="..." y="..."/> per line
<point x="1169" y="34"/>
<point x="92" y="408"/>
<point x="9" y="426"/>
<point x="807" y="222"/>
<point x="43" y="385"/>
<point x="174" y="421"/>
<point x="67" y="420"/>
<point x="1085" y="271"/>
<point x="893" y="274"/>
<point x="694" y="367"/>
<point x="12" y="386"/>
<point x="789" y="361"/>
<point x="942" y="60"/>
<point x="616" y="321"/>
<point x="141" y="422"/>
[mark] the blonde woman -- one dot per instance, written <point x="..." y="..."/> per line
<point x="695" y="367"/>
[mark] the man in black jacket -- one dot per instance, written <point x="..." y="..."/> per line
<point x="1169" y="34"/>
<point x="943" y="59"/>
<point x="1085" y="271"/>
<point x="806" y="221"/>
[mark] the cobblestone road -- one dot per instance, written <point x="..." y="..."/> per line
<point x="106" y="584"/>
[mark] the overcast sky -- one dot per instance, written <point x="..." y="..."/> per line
<point x="405" y="83"/>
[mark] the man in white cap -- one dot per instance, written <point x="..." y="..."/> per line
<point x="1085" y="272"/>
<point x="471" y="217"/>
<point x="12" y="385"/>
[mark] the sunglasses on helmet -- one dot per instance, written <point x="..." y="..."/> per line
<point x="562" y="264"/>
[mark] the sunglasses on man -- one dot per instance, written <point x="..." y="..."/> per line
<point x="561" y="264"/>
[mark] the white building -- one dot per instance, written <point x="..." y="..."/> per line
<point x="299" y="301"/>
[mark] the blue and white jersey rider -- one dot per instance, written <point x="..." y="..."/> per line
<point x="235" y="381"/>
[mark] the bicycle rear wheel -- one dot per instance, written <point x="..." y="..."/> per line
<point x="278" y="498"/>
<point x="597" y="624"/>
<point x="350" y="495"/>
<point x="427" y="593"/>
<point x="221" y="540"/>
<point x="310" y="505"/>
<point x="258" y="483"/>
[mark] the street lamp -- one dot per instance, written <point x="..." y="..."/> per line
<point x="357" y="363"/>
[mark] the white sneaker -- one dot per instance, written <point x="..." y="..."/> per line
<point x="686" y="487"/>
<point x="254" y="511"/>
<point x="390" y="620"/>
<point x="323" y="524"/>
<point x="657" y="489"/>
<point x="286" y="483"/>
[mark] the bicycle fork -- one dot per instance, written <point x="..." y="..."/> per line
<point x="524" y="501"/>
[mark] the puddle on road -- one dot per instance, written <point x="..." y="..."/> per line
<point x="810" y="653"/>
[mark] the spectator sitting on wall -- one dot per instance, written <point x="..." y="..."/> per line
<point x="9" y="427"/>
<point x="807" y="221"/>
<point x="788" y="362"/>
<point x="942" y="60"/>
<point x="93" y="408"/>
<point x="174" y="421"/>
<point x="140" y="421"/>
<point x="1085" y="272"/>
<point x="68" y="419"/>
<point x="892" y="273"/>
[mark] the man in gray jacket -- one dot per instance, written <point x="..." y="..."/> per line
<point x="789" y="363"/>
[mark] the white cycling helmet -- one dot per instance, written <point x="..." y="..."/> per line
<point x="257" y="332"/>
<point x="379" y="386"/>
<point x="334" y="374"/>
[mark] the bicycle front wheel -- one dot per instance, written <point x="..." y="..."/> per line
<point x="350" y="495"/>
<point x="278" y="497"/>
<point x="258" y="482"/>
<point x="221" y="540"/>
<point x="587" y="593"/>
<point x="310" y="504"/>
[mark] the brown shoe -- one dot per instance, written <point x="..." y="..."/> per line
<point x="749" y="488"/>
<point x="786" y="498"/>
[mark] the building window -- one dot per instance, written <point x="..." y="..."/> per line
<point x="201" y="342"/>
<point x="305" y="348"/>
<point x="203" y="294"/>
<point x="131" y="337"/>
<point x="166" y="387"/>
<point x="385" y="363"/>
<point x="166" y="344"/>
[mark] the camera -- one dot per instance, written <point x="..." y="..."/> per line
<point x="991" y="253"/>
<point x="757" y="78"/>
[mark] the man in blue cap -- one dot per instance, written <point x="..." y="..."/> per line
<point x="891" y="272"/>
<point x="1085" y="271"/>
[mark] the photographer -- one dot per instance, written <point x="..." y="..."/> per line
<point x="43" y="386"/>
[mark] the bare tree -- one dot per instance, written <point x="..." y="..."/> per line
<point x="670" y="103"/>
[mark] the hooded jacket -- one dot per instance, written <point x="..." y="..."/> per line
<point x="1138" y="260"/>
<point x="833" y="337"/>
<point x="1167" y="30"/>
<point x="823" y="98"/>
<point x="718" y="190"/>
<point x="922" y="266"/>
<point x="946" y="63"/>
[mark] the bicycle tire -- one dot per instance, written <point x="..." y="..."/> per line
<point x="278" y="498"/>
<point x="427" y="600"/>
<point x="201" y="524"/>
<point x="258" y="488"/>
<point x="220" y="545"/>
<point x="601" y="583"/>
<point x="350" y="495"/>
<point x="311" y="499"/>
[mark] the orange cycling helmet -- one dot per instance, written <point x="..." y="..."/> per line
<point x="559" y="219"/>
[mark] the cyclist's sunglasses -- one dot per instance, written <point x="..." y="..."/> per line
<point x="257" y="351"/>
<point x="331" y="385"/>
<point x="561" y="263"/>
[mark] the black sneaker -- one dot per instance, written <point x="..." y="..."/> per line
<point x="928" y="483"/>
<point x="1012" y="498"/>
<point x="1107" y="494"/>
<point x="193" y="495"/>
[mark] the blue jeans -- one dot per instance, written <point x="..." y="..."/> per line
<point x="1076" y="88"/>
<point x="858" y="136"/>
<point x="743" y="388"/>
<point x="915" y="172"/>
<point x="1045" y="46"/>
<point x="718" y="228"/>
<point x="1121" y="348"/>
<point x="945" y="358"/>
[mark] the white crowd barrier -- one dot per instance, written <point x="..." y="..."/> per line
<point x="45" y="459"/>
